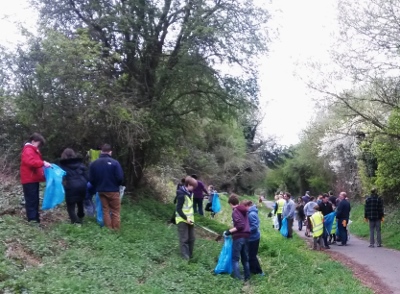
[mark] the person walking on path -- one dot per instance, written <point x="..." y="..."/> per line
<point x="75" y="184"/>
<point x="184" y="217"/>
<point x="31" y="172"/>
<point x="255" y="235"/>
<point x="106" y="175"/>
<point x="325" y="207"/>
<point x="374" y="213"/>
<point x="342" y="216"/>
<point x="198" y="196"/>
<point x="300" y="216"/>
<point x="240" y="235"/>
<point x="309" y="211"/>
<point x="288" y="212"/>
<point x="279" y="209"/>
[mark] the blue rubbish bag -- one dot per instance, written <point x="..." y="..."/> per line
<point x="224" y="264"/>
<point x="328" y="221"/>
<point x="284" y="229"/>
<point x="90" y="208"/>
<point x="216" y="204"/>
<point x="54" y="193"/>
<point x="99" y="210"/>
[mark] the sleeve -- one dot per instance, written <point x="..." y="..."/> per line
<point x="179" y="205"/>
<point x="253" y="223"/>
<point x="275" y="207"/>
<point x="85" y="172"/>
<point x="31" y="158"/>
<point x="92" y="177"/>
<point x="339" y="210"/>
<point x="365" y="208"/>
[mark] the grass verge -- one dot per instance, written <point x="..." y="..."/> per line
<point x="144" y="258"/>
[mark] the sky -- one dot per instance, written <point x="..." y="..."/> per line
<point x="304" y="35"/>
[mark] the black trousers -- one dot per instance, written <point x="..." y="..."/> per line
<point x="76" y="218"/>
<point x="279" y="216"/>
<point x="255" y="267"/>
<point x="31" y="195"/>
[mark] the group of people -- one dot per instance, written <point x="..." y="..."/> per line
<point x="245" y="231"/>
<point x="104" y="177"/>
<point x="314" y="212"/>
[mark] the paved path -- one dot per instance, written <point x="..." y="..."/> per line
<point x="383" y="262"/>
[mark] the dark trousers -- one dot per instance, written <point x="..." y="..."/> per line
<point x="198" y="205"/>
<point x="31" y="195"/>
<point x="300" y="224"/>
<point x="208" y="207"/>
<point x="254" y="264"/>
<point x="325" y="237"/>
<point x="343" y="231"/>
<point x="76" y="218"/>
<point x="240" y="252"/>
<point x="290" y="227"/>
<point x="279" y="216"/>
<point x="375" y="225"/>
<point x="186" y="239"/>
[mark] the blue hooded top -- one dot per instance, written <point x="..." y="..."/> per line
<point x="254" y="222"/>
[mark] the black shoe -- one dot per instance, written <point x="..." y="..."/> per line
<point x="371" y="246"/>
<point x="379" y="245"/>
<point x="341" y="244"/>
<point x="327" y="247"/>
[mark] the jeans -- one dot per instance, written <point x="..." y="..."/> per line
<point x="186" y="239"/>
<point x="198" y="205"/>
<point x="279" y="216"/>
<point x="111" y="204"/>
<point x="375" y="225"/>
<point x="31" y="195"/>
<point x="71" y="208"/>
<point x="343" y="231"/>
<point x="254" y="264"/>
<point x="240" y="252"/>
<point x="300" y="224"/>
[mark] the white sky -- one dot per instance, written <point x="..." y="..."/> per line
<point x="305" y="35"/>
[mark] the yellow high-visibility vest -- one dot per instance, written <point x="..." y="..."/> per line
<point x="317" y="220"/>
<point x="93" y="154"/>
<point x="334" y="225"/>
<point x="187" y="209"/>
<point x="280" y="204"/>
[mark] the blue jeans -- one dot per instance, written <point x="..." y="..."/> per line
<point x="198" y="205"/>
<point x="342" y="231"/>
<point x="240" y="251"/>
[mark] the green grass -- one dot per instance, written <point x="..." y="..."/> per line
<point x="144" y="258"/>
<point x="390" y="227"/>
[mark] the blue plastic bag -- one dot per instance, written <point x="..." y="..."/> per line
<point x="328" y="221"/>
<point x="216" y="204"/>
<point x="99" y="210"/>
<point x="54" y="193"/>
<point x="224" y="264"/>
<point x="284" y="229"/>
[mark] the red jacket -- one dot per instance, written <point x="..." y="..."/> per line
<point x="31" y="165"/>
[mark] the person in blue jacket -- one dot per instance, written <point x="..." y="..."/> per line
<point x="254" y="240"/>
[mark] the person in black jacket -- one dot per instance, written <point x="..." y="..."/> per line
<point x="342" y="216"/>
<point x="326" y="208"/>
<point x="75" y="182"/>
<point x="374" y="214"/>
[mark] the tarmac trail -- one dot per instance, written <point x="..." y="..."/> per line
<point x="377" y="268"/>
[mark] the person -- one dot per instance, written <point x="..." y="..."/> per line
<point x="309" y="211"/>
<point x="342" y="216"/>
<point x="198" y="196"/>
<point x="317" y="220"/>
<point x="211" y="192"/>
<point x="300" y="216"/>
<point x="184" y="217"/>
<point x="279" y="209"/>
<point x="240" y="235"/>
<point x="288" y="212"/>
<point x="306" y="197"/>
<point x="374" y="213"/>
<point x="255" y="235"/>
<point x="32" y="173"/>
<point x="325" y="207"/>
<point x="319" y="199"/>
<point x="75" y="184"/>
<point x="106" y="175"/>
<point x="332" y="198"/>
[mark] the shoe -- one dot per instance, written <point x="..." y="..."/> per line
<point x="341" y="244"/>
<point x="327" y="247"/>
<point x="371" y="246"/>
<point x="379" y="245"/>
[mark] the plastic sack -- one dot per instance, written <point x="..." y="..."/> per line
<point x="99" y="211"/>
<point x="216" y="204"/>
<point x="121" y="192"/>
<point x="275" y="222"/>
<point x="328" y="221"/>
<point x="54" y="193"/>
<point x="224" y="264"/>
<point x="284" y="229"/>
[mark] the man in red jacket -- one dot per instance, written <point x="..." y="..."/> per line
<point x="240" y="235"/>
<point x="32" y="174"/>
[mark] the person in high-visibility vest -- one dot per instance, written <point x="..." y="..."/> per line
<point x="317" y="220"/>
<point x="184" y="217"/>
<point x="279" y="209"/>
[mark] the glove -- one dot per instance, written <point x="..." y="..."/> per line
<point x="227" y="233"/>
<point x="383" y="219"/>
<point x="344" y="223"/>
<point x="365" y="219"/>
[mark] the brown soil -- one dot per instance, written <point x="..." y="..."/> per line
<point x="18" y="252"/>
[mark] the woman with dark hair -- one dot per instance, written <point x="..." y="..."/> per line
<point x="75" y="184"/>
<point x="31" y="172"/>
